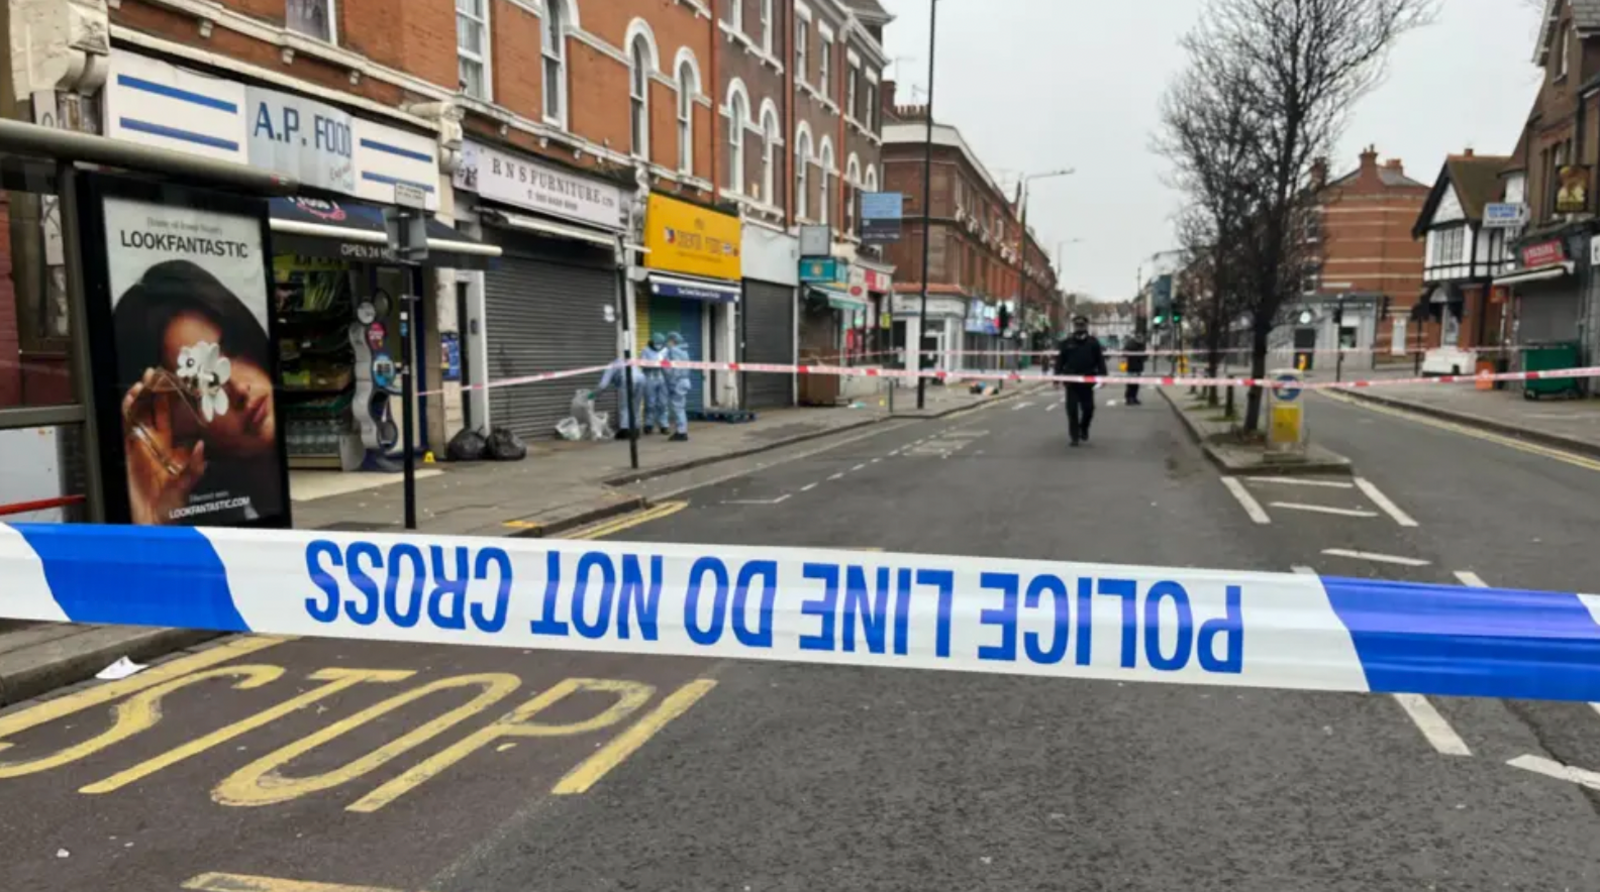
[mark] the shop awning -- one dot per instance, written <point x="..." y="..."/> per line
<point x="695" y="288"/>
<point x="551" y="228"/>
<point x="841" y="300"/>
<point x="354" y="231"/>
<point x="1537" y="274"/>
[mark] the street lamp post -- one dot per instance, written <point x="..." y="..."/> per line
<point x="1022" y="262"/>
<point x="927" y="208"/>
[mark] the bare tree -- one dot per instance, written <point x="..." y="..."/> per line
<point x="1267" y="91"/>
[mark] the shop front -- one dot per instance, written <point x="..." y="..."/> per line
<point x="552" y="302"/>
<point x="981" y="340"/>
<point x="692" y="286"/>
<point x="879" y="281"/>
<point x="946" y="315"/>
<point x="771" y="309"/>
<point x="338" y="299"/>
<point x="831" y="318"/>
<point x="1547" y="302"/>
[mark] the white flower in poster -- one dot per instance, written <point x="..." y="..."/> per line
<point x="203" y="367"/>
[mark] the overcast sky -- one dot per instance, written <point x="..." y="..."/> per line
<point x="1036" y="85"/>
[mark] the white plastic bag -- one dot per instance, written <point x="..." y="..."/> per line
<point x="600" y="426"/>
<point x="569" y="429"/>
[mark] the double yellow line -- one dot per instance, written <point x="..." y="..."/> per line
<point x="1560" y="455"/>
<point x="610" y="527"/>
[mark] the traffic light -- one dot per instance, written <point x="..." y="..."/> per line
<point x="1177" y="310"/>
<point x="1158" y="321"/>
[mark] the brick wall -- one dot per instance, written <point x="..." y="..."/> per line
<point x="517" y="49"/>
<point x="417" y="36"/>
<point x="761" y="83"/>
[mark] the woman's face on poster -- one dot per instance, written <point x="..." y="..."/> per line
<point x="249" y="427"/>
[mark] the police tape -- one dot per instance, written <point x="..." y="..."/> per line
<point x="528" y="379"/>
<point x="973" y="614"/>
<point x="1151" y="380"/>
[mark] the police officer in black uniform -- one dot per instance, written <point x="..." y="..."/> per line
<point x="1134" y="354"/>
<point x="1080" y="355"/>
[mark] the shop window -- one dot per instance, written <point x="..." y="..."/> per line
<point x="472" y="47"/>
<point x="312" y="18"/>
<point x="554" y="49"/>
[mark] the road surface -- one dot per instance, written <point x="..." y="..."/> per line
<point x="317" y="766"/>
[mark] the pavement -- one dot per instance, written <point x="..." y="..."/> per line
<point x="559" y="486"/>
<point x="335" y="766"/>
<point x="1563" y="423"/>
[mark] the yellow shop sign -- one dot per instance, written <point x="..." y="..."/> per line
<point x="687" y="238"/>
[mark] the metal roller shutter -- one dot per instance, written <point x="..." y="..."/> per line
<point x="768" y="337"/>
<point x="1548" y="314"/>
<point x="542" y="316"/>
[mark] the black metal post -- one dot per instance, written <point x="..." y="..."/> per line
<point x="1338" y="341"/>
<point x="927" y="206"/>
<point x="408" y="392"/>
<point x="626" y="322"/>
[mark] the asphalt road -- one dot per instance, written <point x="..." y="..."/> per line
<point x="363" y="767"/>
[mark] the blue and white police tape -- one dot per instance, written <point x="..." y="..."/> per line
<point x="1038" y="618"/>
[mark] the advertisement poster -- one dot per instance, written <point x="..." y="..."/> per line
<point x="194" y="364"/>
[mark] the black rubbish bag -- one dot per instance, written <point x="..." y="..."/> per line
<point x="506" y="446"/>
<point x="469" y="445"/>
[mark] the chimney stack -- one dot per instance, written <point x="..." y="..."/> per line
<point x="1467" y="152"/>
<point x="1369" y="159"/>
<point x="1395" y="164"/>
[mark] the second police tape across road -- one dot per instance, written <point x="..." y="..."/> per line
<point x="1038" y="618"/>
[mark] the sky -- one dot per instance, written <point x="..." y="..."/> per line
<point x="1038" y="85"/>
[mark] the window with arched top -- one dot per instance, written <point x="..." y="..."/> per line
<point x="852" y="183"/>
<point x="688" y="86"/>
<point x="738" y="113"/>
<point x="825" y="161"/>
<point x="769" y="156"/>
<point x="553" y="47"/>
<point x="639" y="95"/>
<point x="802" y="175"/>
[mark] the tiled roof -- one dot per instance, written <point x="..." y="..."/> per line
<point x="1477" y="181"/>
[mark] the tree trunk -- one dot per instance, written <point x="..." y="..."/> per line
<point x="1258" y="370"/>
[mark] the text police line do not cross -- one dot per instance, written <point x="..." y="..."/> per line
<point x="774" y="608"/>
<point x="972" y="614"/>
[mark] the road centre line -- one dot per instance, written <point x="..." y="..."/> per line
<point x="1470" y="578"/>
<point x="1301" y="481"/>
<point x="1251" y="506"/>
<point x="838" y="476"/>
<point x="1552" y="768"/>
<point x="1433" y="726"/>
<point x="777" y="501"/>
<point x="859" y="467"/>
<point x="1382" y="501"/>
<point x="1376" y="558"/>
<point x="1435" y="729"/>
<point x="1324" y="509"/>
<point x="809" y="487"/>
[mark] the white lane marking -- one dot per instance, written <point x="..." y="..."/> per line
<point x="1020" y="406"/>
<point x="859" y="467"/>
<point x="1302" y="481"/>
<point x="1376" y="558"/>
<point x="1324" y="509"/>
<point x="1251" y="506"/>
<point x="1435" y="729"/>
<point x="1052" y="407"/>
<point x="1433" y="725"/>
<point x="876" y="460"/>
<point x="808" y="487"/>
<point x="778" y="501"/>
<point x="1382" y="501"/>
<point x="837" y="476"/>
<point x="1470" y="578"/>
<point x="1552" y="768"/>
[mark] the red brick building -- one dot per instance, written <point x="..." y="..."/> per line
<point x="1363" y="254"/>
<point x="976" y="266"/>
